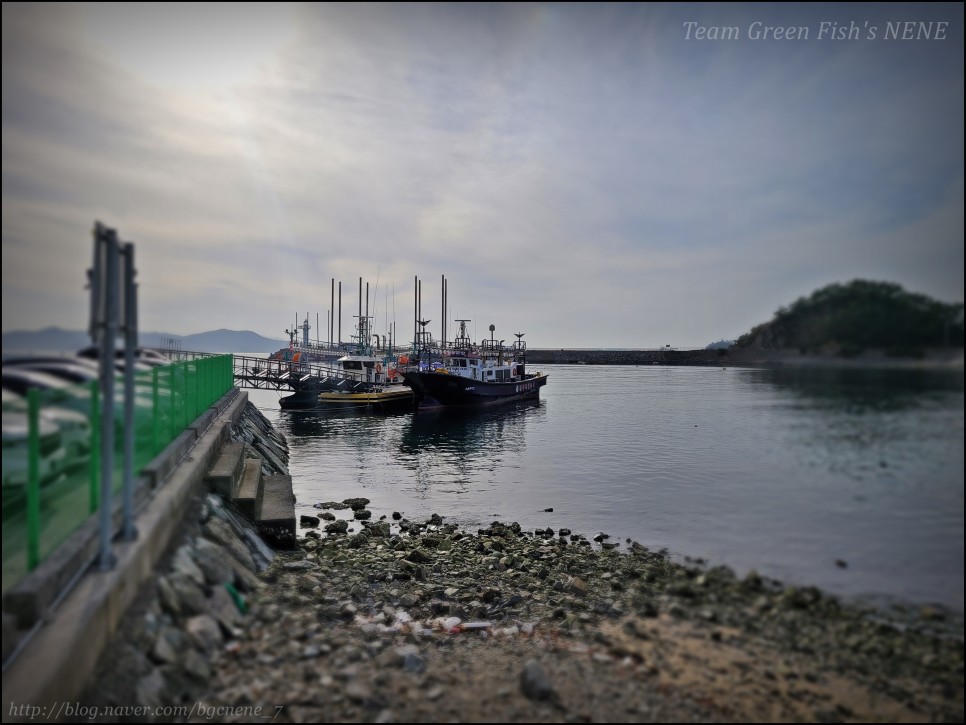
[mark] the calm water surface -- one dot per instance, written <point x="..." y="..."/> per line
<point x="780" y="470"/>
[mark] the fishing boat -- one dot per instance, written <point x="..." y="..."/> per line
<point x="467" y="375"/>
<point x="365" y="378"/>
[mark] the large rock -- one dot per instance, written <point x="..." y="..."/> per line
<point x="223" y="608"/>
<point x="150" y="689"/>
<point x="203" y="632"/>
<point x="534" y="682"/>
<point x="214" y="561"/>
<point x="183" y="563"/>
<point x="337" y="527"/>
<point x="222" y="533"/>
<point x="188" y="595"/>
<point x="168" y="597"/>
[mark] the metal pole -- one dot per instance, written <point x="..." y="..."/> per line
<point x="108" y="237"/>
<point x="155" y="412"/>
<point x="129" y="530"/>
<point x="171" y="406"/>
<point x="95" y="463"/>
<point x="332" y="312"/>
<point x="340" y="313"/>
<point x="33" y="478"/>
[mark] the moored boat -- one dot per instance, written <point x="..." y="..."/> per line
<point x="468" y="375"/>
<point x="365" y="380"/>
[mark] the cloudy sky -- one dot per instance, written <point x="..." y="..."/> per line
<point x="588" y="174"/>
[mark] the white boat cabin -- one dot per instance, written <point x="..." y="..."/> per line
<point x="367" y="369"/>
<point x="471" y="365"/>
<point x="488" y="363"/>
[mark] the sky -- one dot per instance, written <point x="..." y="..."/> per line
<point x="627" y="175"/>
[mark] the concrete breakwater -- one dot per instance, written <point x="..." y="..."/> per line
<point x="175" y="590"/>
<point x="421" y="621"/>
<point x="194" y="606"/>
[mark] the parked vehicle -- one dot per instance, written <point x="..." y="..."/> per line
<point x="74" y="427"/>
<point x="16" y="441"/>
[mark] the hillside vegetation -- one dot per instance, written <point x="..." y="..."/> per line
<point x="849" y="318"/>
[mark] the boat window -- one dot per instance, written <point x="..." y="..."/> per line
<point x="369" y="364"/>
<point x="462" y="362"/>
<point x="352" y="365"/>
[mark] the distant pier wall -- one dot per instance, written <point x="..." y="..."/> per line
<point x="665" y="356"/>
<point x="942" y="357"/>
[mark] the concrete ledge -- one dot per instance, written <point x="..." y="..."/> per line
<point x="58" y="663"/>
<point x="166" y="461"/>
<point x="203" y="421"/>
<point x="159" y="469"/>
<point x="249" y="489"/>
<point x="224" y="474"/>
<point x="275" y="517"/>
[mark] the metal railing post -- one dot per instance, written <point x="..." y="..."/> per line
<point x="155" y="412"/>
<point x="95" y="462"/>
<point x="33" y="478"/>
<point x="190" y="403"/>
<point x="129" y="530"/>
<point x="171" y="406"/>
<point x="106" y="559"/>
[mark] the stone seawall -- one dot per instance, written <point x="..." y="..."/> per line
<point x="148" y="626"/>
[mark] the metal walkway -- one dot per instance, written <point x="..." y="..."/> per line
<point x="264" y="374"/>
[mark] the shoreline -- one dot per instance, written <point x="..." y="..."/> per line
<point x="436" y="623"/>
<point x="933" y="359"/>
<point x="424" y="620"/>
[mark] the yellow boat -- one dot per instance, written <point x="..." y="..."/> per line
<point x="395" y="397"/>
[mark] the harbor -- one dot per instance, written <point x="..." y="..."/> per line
<point x="536" y="362"/>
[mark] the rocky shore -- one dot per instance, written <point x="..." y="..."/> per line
<point x="397" y="620"/>
<point x="421" y="621"/>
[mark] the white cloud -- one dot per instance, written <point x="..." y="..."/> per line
<point x="579" y="172"/>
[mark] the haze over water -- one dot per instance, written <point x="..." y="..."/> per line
<point x="785" y="471"/>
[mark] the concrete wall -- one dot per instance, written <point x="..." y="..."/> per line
<point x="58" y="662"/>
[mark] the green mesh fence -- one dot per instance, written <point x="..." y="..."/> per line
<point x="51" y="450"/>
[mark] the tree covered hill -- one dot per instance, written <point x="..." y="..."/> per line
<point x="861" y="314"/>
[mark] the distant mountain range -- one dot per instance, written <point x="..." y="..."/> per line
<point x="55" y="339"/>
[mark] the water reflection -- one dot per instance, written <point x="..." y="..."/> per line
<point x="863" y="390"/>
<point x="885" y="428"/>
<point x="428" y="454"/>
<point x="458" y="446"/>
<point x="330" y="424"/>
<point x="780" y="470"/>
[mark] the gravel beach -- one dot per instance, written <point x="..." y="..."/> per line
<point x="423" y="622"/>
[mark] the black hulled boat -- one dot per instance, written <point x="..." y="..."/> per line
<point x="467" y="375"/>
